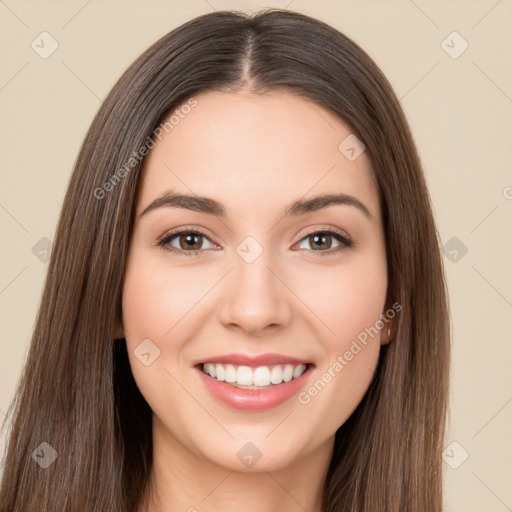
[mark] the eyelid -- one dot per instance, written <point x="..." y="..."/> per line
<point x="164" y="240"/>
<point x="330" y="229"/>
<point x="345" y="241"/>
<point x="187" y="229"/>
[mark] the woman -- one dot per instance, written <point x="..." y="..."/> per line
<point x="192" y="350"/>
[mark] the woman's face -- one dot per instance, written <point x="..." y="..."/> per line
<point x="271" y="273"/>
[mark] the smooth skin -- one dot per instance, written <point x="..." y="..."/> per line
<point x="255" y="154"/>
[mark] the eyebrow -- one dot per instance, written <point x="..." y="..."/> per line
<point x="207" y="205"/>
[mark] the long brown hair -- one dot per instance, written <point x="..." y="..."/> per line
<point x="77" y="392"/>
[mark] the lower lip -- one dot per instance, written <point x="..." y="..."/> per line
<point x="254" y="399"/>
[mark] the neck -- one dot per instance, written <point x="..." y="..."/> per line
<point x="181" y="480"/>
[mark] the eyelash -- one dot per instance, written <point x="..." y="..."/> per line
<point x="345" y="242"/>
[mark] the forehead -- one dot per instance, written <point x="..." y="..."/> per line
<point x="246" y="150"/>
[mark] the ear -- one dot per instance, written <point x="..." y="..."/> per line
<point x="388" y="331"/>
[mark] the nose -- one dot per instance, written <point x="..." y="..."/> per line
<point x="255" y="299"/>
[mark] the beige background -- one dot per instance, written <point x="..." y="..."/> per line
<point x="460" y="112"/>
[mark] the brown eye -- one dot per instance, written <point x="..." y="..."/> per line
<point x="190" y="241"/>
<point x="321" y="242"/>
<point x="187" y="242"/>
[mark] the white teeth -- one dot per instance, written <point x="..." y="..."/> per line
<point x="262" y="376"/>
<point x="276" y="375"/>
<point x="244" y="376"/>
<point x="210" y="369"/>
<point x="219" y="372"/>
<point x="299" y="370"/>
<point x="230" y="373"/>
<point x="288" y="373"/>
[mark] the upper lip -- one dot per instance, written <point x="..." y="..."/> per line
<point x="253" y="360"/>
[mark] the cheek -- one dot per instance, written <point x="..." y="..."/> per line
<point x="155" y="298"/>
<point x="153" y="304"/>
<point x="158" y="303"/>
<point x="348" y="300"/>
<point x="348" y="308"/>
<point x="140" y="309"/>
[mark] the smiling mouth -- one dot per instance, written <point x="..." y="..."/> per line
<point x="261" y="377"/>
